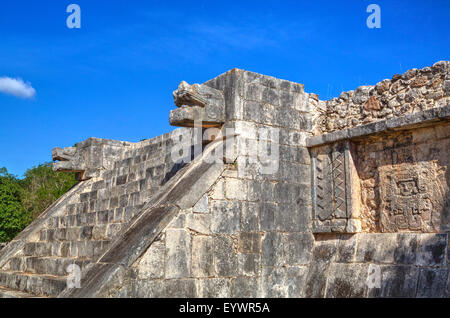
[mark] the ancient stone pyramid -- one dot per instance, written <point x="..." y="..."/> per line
<point x="266" y="191"/>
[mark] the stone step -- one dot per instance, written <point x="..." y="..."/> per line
<point x="103" y="217"/>
<point x="37" y="249"/>
<point x="81" y="233"/>
<point x="40" y="285"/>
<point x="70" y="249"/>
<point x="11" y="293"/>
<point x="56" y="266"/>
<point x="118" y="215"/>
<point x="66" y="234"/>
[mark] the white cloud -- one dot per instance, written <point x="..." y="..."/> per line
<point x="16" y="87"/>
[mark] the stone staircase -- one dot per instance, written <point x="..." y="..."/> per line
<point x="40" y="268"/>
<point x="79" y="231"/>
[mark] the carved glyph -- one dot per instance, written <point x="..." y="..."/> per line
<point x="410" y="199"/>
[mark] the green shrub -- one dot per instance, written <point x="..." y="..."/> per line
<point x="13" y="217"/>
<point x="42" y="186"/>
<point x="22" y="201"/>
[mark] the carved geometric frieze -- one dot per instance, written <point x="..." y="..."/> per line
<point x="332" y="175"/>
<point x="396" y="175"/>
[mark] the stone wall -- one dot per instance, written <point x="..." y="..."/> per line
<point x="379" y="265"/>
<point x="415" y="90"/>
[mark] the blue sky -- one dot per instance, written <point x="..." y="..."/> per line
<point x="114" y="77"/>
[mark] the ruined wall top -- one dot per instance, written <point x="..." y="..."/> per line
<point x="415" y="90"/>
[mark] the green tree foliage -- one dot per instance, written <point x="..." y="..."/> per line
<point x="42" y="186"/>
<point x="13" y="218"/>
<point x="22" y="201"/>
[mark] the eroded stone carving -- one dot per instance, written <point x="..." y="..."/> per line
<point x="408" y="198"/>
<point x="87" y="158"/>
<point x="199" y="103"/>
<point x="332" y="197"/>
<point x="405" y="180"/>
<point x="69" y="160"/>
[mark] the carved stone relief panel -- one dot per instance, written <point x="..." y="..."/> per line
<point x="332" y="189"/>
<point x="397" y="181"/>
<point x="405" y="180"/>
<point x="409" y="198"/>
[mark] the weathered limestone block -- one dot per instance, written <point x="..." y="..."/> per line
<point x="432" y="282"/>
<point x="245" y="287"/>
<point x="225" y="256"/>
<point x="372" y="104"/>
<point x="202" y="259"/>
<point x="347" y="247"/>
<point x="397" y="281"/>
<point x="362" y="94"/>
<point x="322" y="257"/>
<point x="249" y="243"/>
<point x="446" y="87"/>
<point x="225" y="217"/>
<point x="406" y="251"/>
<point x="431" y="249"/>
<point x="199" y="103"/>
<point x="271" y="255"/>
<point x="297" y="248"/>
<point x="178" y="262"/>
<point x="218" y="190"/>
<point x="250" y="216"/>
<point x="202" y="206"/>
<point x="180" y="288"/>
<point x="376" y="247"/>
<point x="347" y="281"/>
<point x="282" y="282"/>
<point x="249" y="264"/>
<point x="147" y="288"/>
<point x="235" y="189"/>
<point x="199" y="223"/>
<point x="151" y="265"/>
<point x="214" y="288"/>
